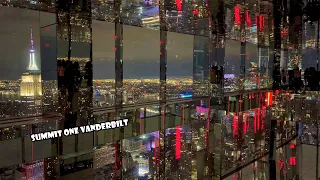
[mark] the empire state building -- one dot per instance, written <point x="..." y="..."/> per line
<point x="31" y="83"/>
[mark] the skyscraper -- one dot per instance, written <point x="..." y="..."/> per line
<point x="31" y="79"/>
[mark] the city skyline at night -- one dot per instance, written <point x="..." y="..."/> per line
<point x="207" y="90"/>
<point x="140" y="52"/>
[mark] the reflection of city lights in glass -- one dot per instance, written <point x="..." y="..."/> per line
<point x="143" y="171"/>
<point x="202" y="109"/>
<point x="186" y="95"/>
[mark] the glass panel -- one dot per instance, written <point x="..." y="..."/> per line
<point x="139" y="155"/>
<point x="103" y="64"/>
<point x="74" y="56"/>
<point x="49" y="68"/>
<point x="141" y="69"/>
<point x="21" y="88"/>
<point x="104" y="162"/>
<point x="179" y="80"/>
<point x="200" y="66"/>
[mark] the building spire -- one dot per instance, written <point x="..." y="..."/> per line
<point x="32" y="63"/>
<point x="31" y="37"/>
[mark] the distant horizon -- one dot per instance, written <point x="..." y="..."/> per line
<point x="123" y="78"/>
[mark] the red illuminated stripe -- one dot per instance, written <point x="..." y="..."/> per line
<point x="255" y="121"/>
<point x="178" y="2"/>
<point x="281" y="163"/>
<point x="240" y="104"/>
<point x="245" y="126"/>
<point x="249" y="22"/>
<point x="263" y="116"/>
<point x="292" y="146"/>
<point x="269" y="98"/>
<point x="237" y="14"/>
<point x="261" y="22"/>
<point x="178" y="143"/>
<point x="235" y="125"/>
<point x="293" y="161"/>
<point x="259" y="119"/>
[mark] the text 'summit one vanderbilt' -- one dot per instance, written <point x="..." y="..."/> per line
<point x="82" y="129"/>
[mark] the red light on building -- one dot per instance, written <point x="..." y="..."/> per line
<point x="178" y="143"/>
<point x="245" y="124"/>
<point x="196" y="12"/>
<point x="280" y="163"/>
<point x="258" y="81"/>
<point x="292" y="146"/>
<point x="237" y="14"/>
<point x="178" y="2"/>
<point x="249" y="22"/>
<point x="263" y="114"/>
<point x="235" y="125"/>
<point x="235" y="176"/>
<point x="254" y="168"/>
<point x="255" y="121"/>
<point x="259" y="119"/>
<point x="293" y="161"/>
<point x="47" y="45"/>
<point x="283" y="32"/>
<point x="269" y="99"/>
<point x="261" y="22"/>
<point x="244" y="127"/>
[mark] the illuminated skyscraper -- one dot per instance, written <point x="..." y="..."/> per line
<point x="31" y="85"/>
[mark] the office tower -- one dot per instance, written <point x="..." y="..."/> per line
<point x="31" y="84"/>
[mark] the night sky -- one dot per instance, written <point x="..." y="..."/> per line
<point x="141" y="47"/>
